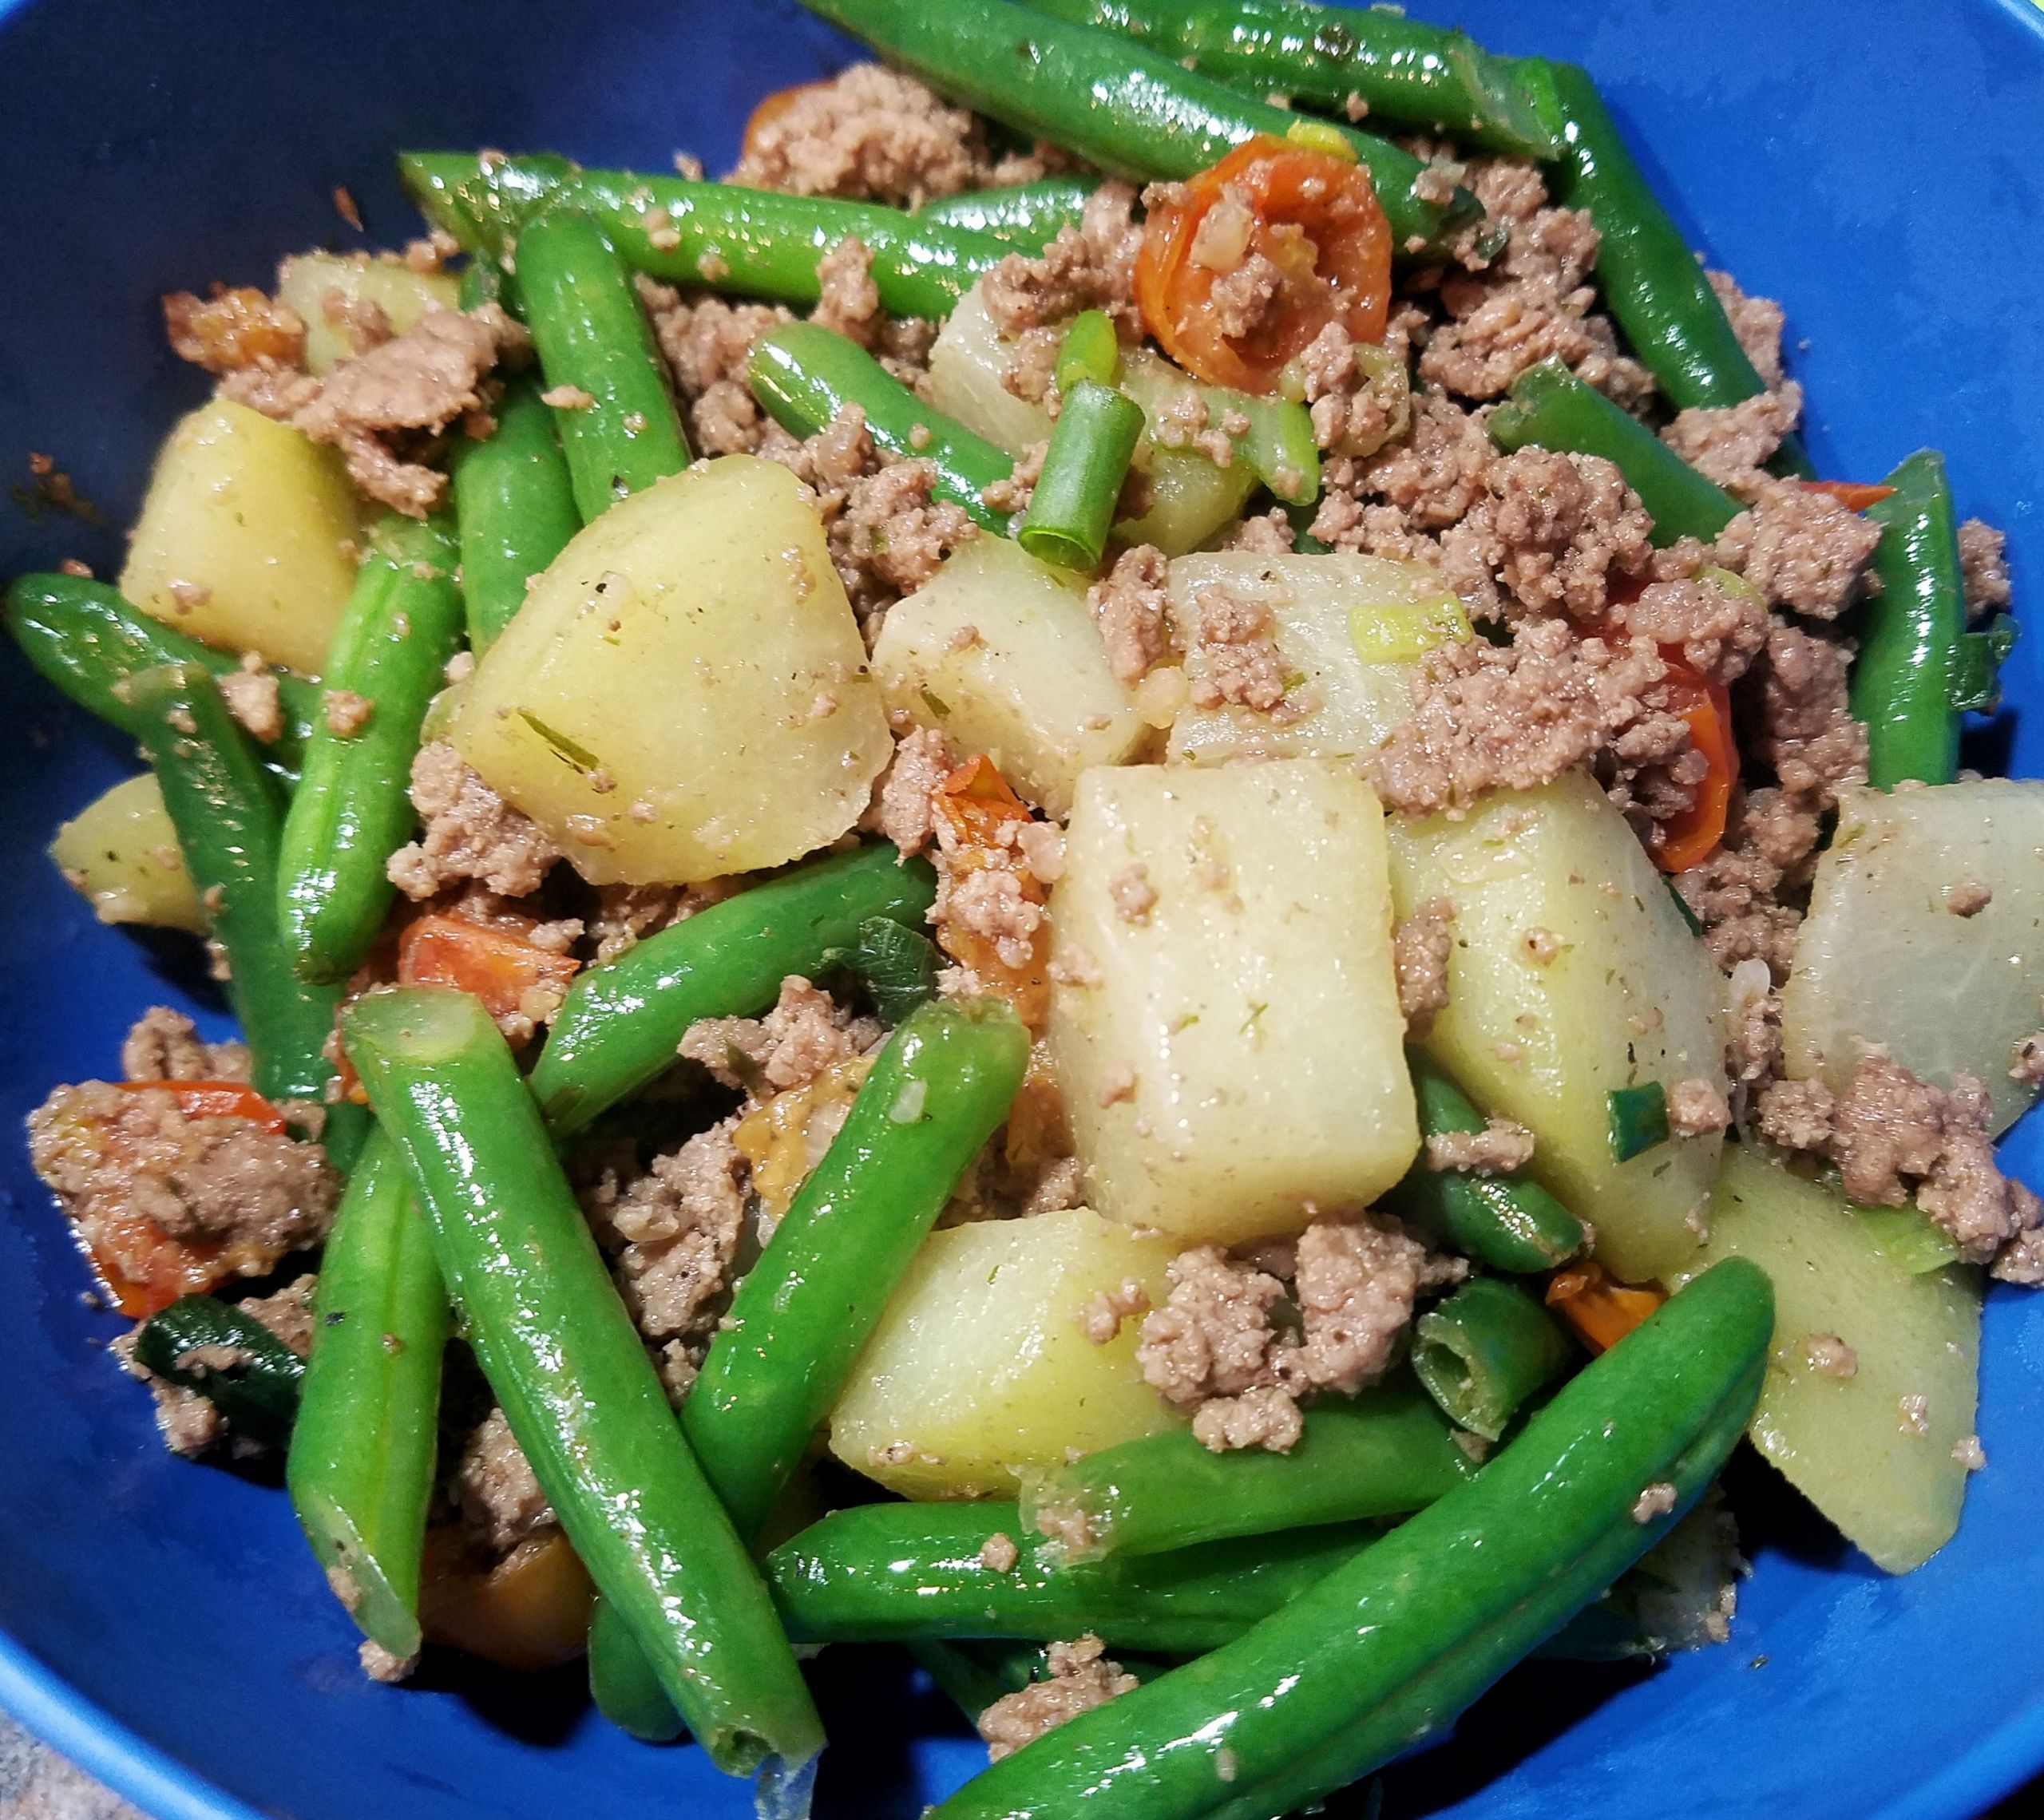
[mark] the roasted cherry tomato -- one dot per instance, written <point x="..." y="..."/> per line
<point x="1299" y="232"/>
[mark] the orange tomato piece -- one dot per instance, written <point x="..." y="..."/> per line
<point x="1600" y="1310"/>
<point x="1312" y="215"/>
<point x="1690" y="837"/>
<point x="498" y="965"/>
<point x="1854" y="496"/>
<point x="972" y="808"/>
<point x="215" y="1099"/>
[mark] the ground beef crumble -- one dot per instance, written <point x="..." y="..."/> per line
<point x="1420" y="946"/>
<point x="870" y="133"/>
<point x="1983" y="567"/>
<point x="1501" y="1147"/>
<point x="1131" y="607"/>
<point x="500" y="1500"/>
<point x="1731" y="443"/>
<point x="1213" y="1348"/>
<point x="1528" y="304"/>
<point x="887" y="533"/>
<point x="1091" y="267"/>
<point x="470" y="832"/>
<point x="383" y="408"/>
<point x="707" y="342"/>
<point x="1801" y="550"/>
<point x="806" y="1032"/>
<point x="1891" y="1134"/>
<point x="1756" y="320"/>
<point x="128" y="1166"/>
<point x="1080" y="1676"/>
<point x="165" y="1045"/>
<point x="901" y="811"/>
<point x="1488" y="717"/>
<point x="671" y="1231"/>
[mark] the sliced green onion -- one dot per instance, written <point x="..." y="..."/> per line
<point x="1091" y="351"/>
<point x="1073" y="506"/>
<point x="1639" y="1118"/>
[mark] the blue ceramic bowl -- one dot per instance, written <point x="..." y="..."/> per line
<point x="1874" y="164"/>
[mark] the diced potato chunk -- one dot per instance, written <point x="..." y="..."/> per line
<point x="1868" y="1435"/>
<point x="684" y="693"/>
<point x="120" y="854"/>
<point x="1926" y="935"/>
<point x="1572" y="974"/>
<point x="1351" y="628"/>
<point x="968" y="373"/>
<point x="1227" y="1027"/>
<point x="999" y="651"/>
<point x="246" y="538"/>
<point x="981" y="1367"/>
<point x="307" y="280"/>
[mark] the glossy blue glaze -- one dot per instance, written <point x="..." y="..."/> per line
<point x="1875" y="163"/>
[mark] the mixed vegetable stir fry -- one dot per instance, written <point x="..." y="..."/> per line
<point x="1122" y="876"/>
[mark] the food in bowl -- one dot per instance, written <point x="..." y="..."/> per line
<point x="1283" y="650"/>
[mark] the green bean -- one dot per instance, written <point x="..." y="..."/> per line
<point x="1392" y="1646"/>
<point x="622" y="1683"/>
<point x="1484" y="1351"/>
<point x="620" y="1023"/>
<point x="1912" y="632"/>
<point x="514" y="502"/>
<point x="230" y="828"/>
<point x="83" y="636"/>
<point x="1400" y="69"/>
<point x="1025" y="215"/>
<point x="801" y="1315"/>
<point x="805" y="376"/>
<point x="593" y="338"/>
<point x="351" y="810"/>
<point x="1073" y="504"/>
<point x="1508" y="1222"/>
<point x="1550" y="408"/>
<point x="1381" y="1453"/>
<point x="568" y="1368"/>
<point x="900" y="1572"/>
<point x="1119" y="105"/>
<point x="753" y="242"/>
<point x="362" y="1460"/>
<point x="1651" y="280"/>
<point x="246" y="1372"/>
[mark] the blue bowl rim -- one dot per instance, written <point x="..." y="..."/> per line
<point x="46" y="1705"/>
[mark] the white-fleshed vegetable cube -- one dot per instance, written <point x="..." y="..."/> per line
<point x="1225" y="1023"/>
<point x="998" y="652"/>
<point x="684" y="693"/>
<point x="983" y="1366"/>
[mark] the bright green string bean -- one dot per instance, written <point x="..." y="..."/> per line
<point x="86" y="638"/>
<point x="903" y="1573"/>
<point x="1391" y="1646"/>
<point x="620" y="1025"/>
<point x="1912" y="632"/>
<point x="362" y="1455"/>
<point x="748" y="242"/>
<point x="568" y="1367"/>
<point x="352" y="809"/>
<point x="803" y="1312"/>
<point x="1550" y="408"/>
<point x="1381" y="1453"/>
<point x="514" y="502"/>
<point x="230" y="829"/>
<point x="1118" y="103"/>
<point x="1484" y="1351"/>
<point x="805" y="376"/>
<point x="1073" y="505"/>
<point x="1417" y="75"/>
<point x="616" y="419"/>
